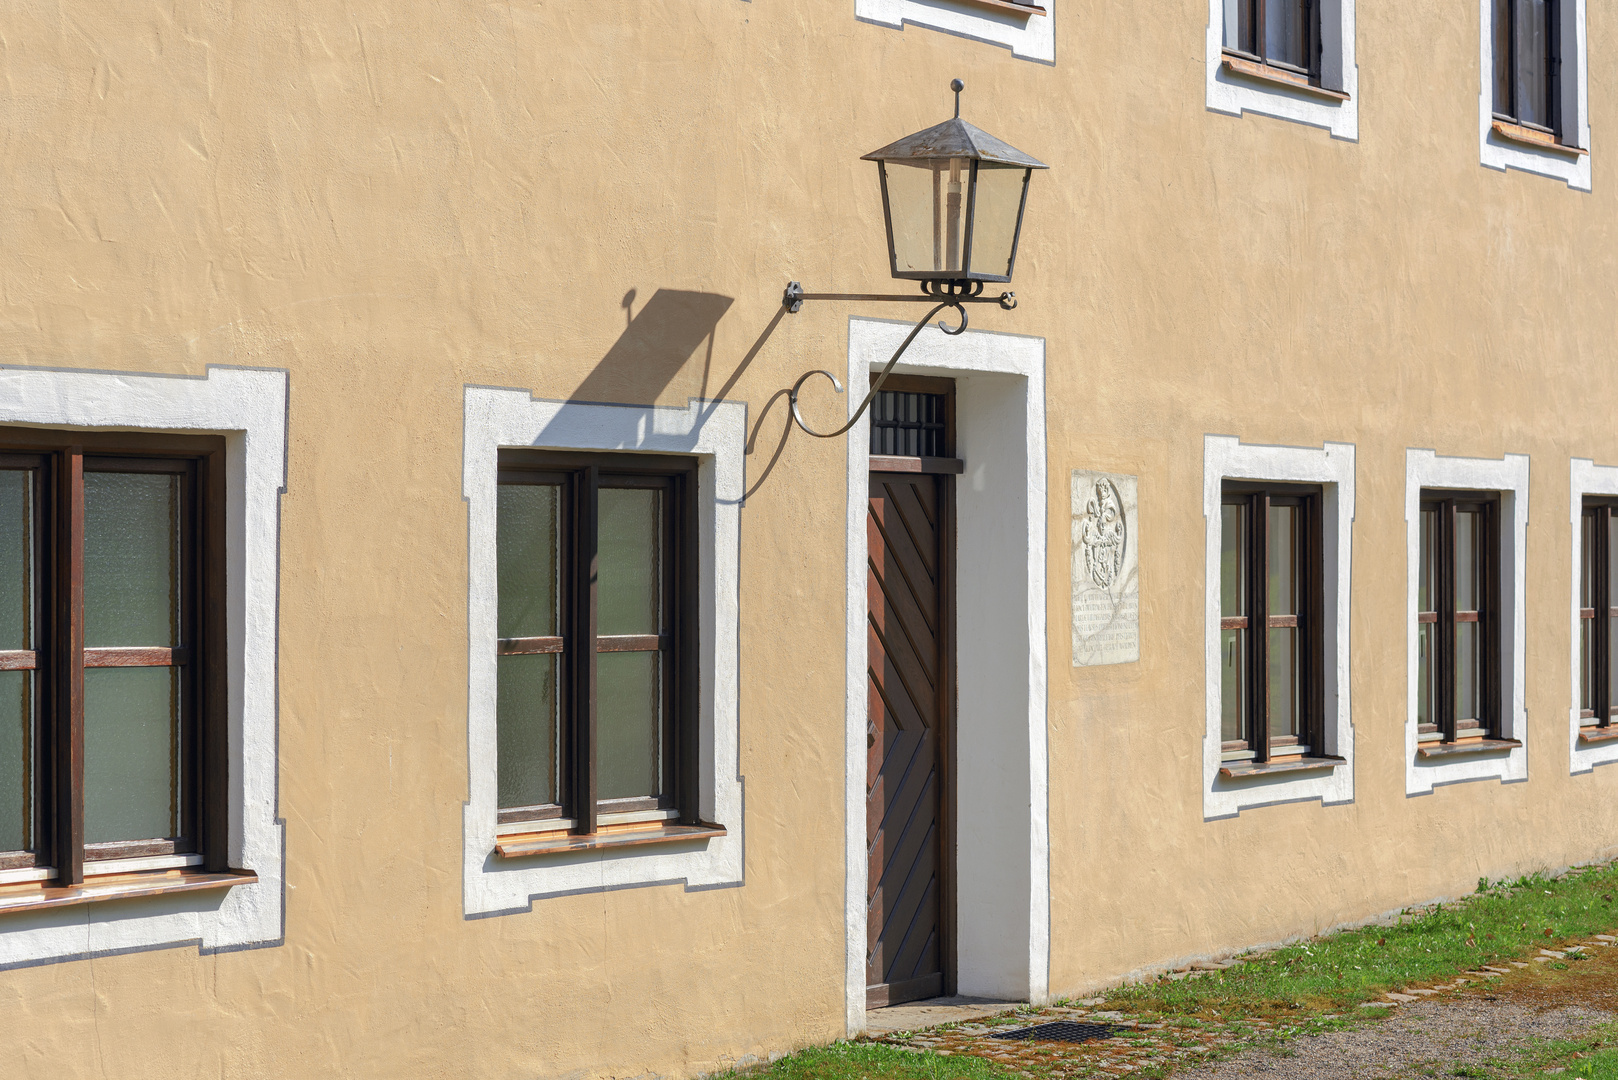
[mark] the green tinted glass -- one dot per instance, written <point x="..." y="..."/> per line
<point x="16" y="559"/>
<point x="629" y="711"/>
<point x="526" y="730"/>
<point x="527" y="554"/>
<point x="629" y="553"/>
<point x="16" y="760"/>
<point x="131" y="559"/>
<point x="131" y="754"/>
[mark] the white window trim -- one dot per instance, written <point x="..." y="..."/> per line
<point x="1498" y="153"/>
<point x="1509" y="477"/>
<point x="249" y="408"/>
<point x="712" y="431"/>
<point x="1586" y="478"/>
<point x="1030" y="37"/>
<point x="1225" y="457"/>
<point x="1234" y="94"/>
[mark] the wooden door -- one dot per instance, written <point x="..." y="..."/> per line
<point x="910" y="701"/>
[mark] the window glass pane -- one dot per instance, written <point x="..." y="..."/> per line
<point x="1286" y="34"/>
<point x="527" y="732"/>
<point x="131" y="753"/>
<point x="1233" y="645"/>
<point x="1283" y="681"/>
<point x="528" y="559"/>
<point x="1612" y="563"/>
<point x="1587" y="558"/>
<point x="1468" y="676"/>
<point x="131" y="559"/>
<point x="1283" y="544"/>
<point x="1612" y="662"/>
<point x="1425" y="636"/>
<point x="16" y="761"/>
<point x="1586" y="672"/>
<point x="1467" y="564"/>
<point x="629" y="713"/>
<point x="994" y="217"/>
<point x="1502" y="58"/>
<point x="1425" y="600"/>
<point x="1232" y="567"/>
<point x="629" y="554"/>
<point x="16" y="560"/>
<point x="928" y="209"/>
<point x="1533" y="59"/>
<point x="1238" y="18"/>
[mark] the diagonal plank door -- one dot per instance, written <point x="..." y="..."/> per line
<point x="907" y="686"/>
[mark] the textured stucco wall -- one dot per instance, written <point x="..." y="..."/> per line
<point x="394" y="200"/>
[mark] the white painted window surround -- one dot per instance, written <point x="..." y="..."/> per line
<point x="1031" y="37"/>
<point x="712" y="431"/>
<point x="1587" y="478"/>
<point x="1425" y="469"/>
<point x="1002" y="929"/>
<point x="1498" y="153"/>
<point x="1229" y="93"/>
<point x="1332" y="467"/>
<point x="249" y="408"/>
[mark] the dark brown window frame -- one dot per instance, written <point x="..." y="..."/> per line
<point x="1445" y="616"/>
<point x="60" y="460"/>
<point x="1553" y="76"/>
<point x="1597" y="679"/>
<point x="1257" y="497"/>
<point x="582" y="475"/>
<point x="1313" y="47"/>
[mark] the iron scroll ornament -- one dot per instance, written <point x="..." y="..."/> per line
<point x="949" y="294"/>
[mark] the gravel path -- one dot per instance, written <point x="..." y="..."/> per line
<point x="1423" y="1038"/>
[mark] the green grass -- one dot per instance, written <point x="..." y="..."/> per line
<point x="1502" y="921"/>
<point x="867" y="1060"/>
<point x="1589" y="1058"/>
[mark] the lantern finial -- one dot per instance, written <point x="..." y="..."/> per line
<point x="957" y="86"/>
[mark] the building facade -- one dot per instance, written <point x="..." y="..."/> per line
<point x="432" y="648"/>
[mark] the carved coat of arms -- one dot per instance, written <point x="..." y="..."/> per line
<point x="1104" y="536"/>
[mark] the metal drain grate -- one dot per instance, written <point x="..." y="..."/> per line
<point x="1061" y="1031"/>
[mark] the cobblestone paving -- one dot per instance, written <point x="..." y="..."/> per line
<point x="1173" y="1045"/>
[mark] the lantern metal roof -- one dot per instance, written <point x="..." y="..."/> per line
<point x="954" y="138"/>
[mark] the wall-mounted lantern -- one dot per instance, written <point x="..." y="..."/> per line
<point x="953" y="198"/>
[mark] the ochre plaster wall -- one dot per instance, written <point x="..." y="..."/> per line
<point x="393" y="200"/>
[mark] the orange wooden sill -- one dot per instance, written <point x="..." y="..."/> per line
<point x="1007" y="5"/>
<point x="1470" y="746"/>
<point x="1238" y="769"/>
<point x="37" y="895"/>
<point x="1540" y="140"/>
<point x="519" y="845"/>
<point x="1241" y="65"/>
<point x="1594" y="735"/>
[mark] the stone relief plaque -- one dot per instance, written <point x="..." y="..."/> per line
<point x="1106" y="569"/>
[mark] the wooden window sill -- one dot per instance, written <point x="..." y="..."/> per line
<point x="1252" y="69"/>
<point x="521" y="845"/>
<point x="36" y="896"/>
<point x="1596" y="736"/>
<point x="1539" y="140"/>
<point x="1006" y="5"/>
<point x="1236" y="770"/>
<point x="881" y="463"/>
<point x="1479" y="746"/>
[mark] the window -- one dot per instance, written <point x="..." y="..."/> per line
<point x="1458" y="619"/>
<point x="1598" y="615"/>
<point x="1527" y="63"/>
<point x="1277" y="33"/>
<point x="111" y="661"/>
<point x="595" y="685"/>
<point x="1271" y="605"/>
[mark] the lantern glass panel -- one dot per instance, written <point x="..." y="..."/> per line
<point x="996" y="207"/>
<point x="927" y="212"/>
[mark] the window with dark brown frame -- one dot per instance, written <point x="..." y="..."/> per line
<point x="1458" y="619"/>
<point x="1598" y="617"/>
<point x="1282" y="34"/>
<point x="1271" y="632"/>
<point x="112" y="664"/>
<point x="597" y="684"/>
<point x="1527" y="63"/>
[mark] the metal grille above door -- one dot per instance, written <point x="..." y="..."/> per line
<point x="908" y="424"/>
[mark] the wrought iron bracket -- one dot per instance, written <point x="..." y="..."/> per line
<point x="941" y="294"/>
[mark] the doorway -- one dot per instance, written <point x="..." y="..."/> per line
<point x="910" y="683"/>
